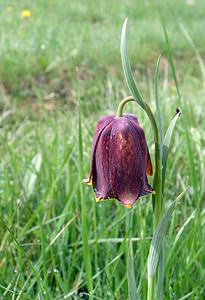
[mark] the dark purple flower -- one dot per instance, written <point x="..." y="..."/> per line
<point x="120" y="160"/>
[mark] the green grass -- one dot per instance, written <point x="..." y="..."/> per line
<point x="41" y="235"/>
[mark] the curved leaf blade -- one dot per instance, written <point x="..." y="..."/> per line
<point x="166" y="144"/>
<point x="131" y="274"/>
<point x="158" y="237"/>
<point x="127" y="68"/>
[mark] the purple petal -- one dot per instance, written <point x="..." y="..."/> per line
<point x="102" y="123"/>
<point x="119" y="160"/>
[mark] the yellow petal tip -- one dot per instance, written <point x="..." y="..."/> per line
<point x="88" y="181"/>
<point x="128" y="206"/>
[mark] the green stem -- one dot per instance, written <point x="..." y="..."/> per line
<point x="157" y="185"/>
<point x="150" y="295"/>
<point x="122" y="104"/>
<point x="86" y="250"/>
<point x="157" y="197"/>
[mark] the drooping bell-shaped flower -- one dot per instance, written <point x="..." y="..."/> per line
<point x="120" y="160"/>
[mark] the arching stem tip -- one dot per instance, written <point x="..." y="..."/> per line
<point x="122" y="104"/>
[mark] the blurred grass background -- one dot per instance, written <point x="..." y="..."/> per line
<point x="68" y="50"/>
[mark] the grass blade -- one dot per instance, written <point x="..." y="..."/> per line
<point x="158" y="237"/>
<point x="131" y="274"/>
<point x="32" y="174"/>
<point x="86" y="253"/>
<point x="193" y="175"/>
<point x="183" y="232"/>
<point x="160" y="280"/>
<point x="191" y="43"/>
<point x="169" y="54"/>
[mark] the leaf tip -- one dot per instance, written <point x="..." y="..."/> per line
<point x="178" y="112"/>
<point x="125" y="23"/>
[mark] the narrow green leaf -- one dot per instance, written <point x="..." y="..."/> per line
<point x="191" y="43"/>
<point x="31" y="174"/>
<point x="166" y="145"/>
<point x="160" y="280"/>
<point x="169" y="54"/>
<point x="157" y="101"/>
<point x="131" y="274"/>
<point x="193" y="175"/>
<point x="158" y="237"/>
<point x="182" y="233"/>
<point x="82" y="282"/>
<point x="27" y="260"/>
<point x="50" y="191"/>
<point x="127" y="68"/>
<point x="86" y="251"/>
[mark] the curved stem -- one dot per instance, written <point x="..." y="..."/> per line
<point x="122" y="104"/>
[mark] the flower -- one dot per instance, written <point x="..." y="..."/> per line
<point x="26" y="13"/>
<point x="120" y="160"/>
